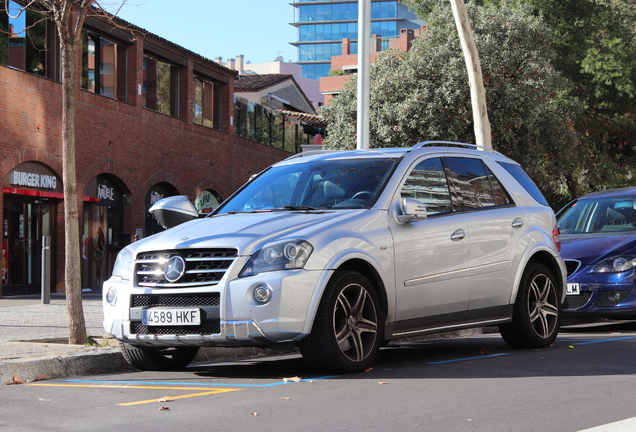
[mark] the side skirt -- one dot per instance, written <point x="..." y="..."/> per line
<point x="449" y="322"/>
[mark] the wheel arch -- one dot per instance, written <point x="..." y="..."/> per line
<point x="363" y="264"/>
<point x="547" y="258"/>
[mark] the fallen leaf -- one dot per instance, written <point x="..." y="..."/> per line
<point x="294" y="379"/>
<point x="369" y="369"/>
<point x="286" y="398"/>
<point x="383" y="382"/>
<point x="42" y="377"/>
<point x="15" y="381"/>
<point x="165" y="399"/>
<point x="484" y="351"/>
<point x="164" y="408"/>
<point x="255" y="414"/>
<point x="313" y="381"/>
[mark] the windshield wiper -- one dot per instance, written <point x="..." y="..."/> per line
<point x="299" y="207"/>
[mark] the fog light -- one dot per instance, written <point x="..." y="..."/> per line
<point x="262" y="294"/>
<point x="111" y="296"/>
<point x="614" y="296"/>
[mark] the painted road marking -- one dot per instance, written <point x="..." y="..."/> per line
<point x="469" y="358"/>
<point x="207" y="391"/>
<point x="204" y="384"/>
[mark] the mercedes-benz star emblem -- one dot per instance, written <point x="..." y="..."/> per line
<point x="174" y="269"/>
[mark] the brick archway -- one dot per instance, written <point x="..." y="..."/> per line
<point x="31" y="155"/>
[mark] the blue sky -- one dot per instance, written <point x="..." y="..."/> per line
<point x="258" y="29"/>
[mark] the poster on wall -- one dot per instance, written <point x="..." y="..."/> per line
<point x="206" y="202"/>
<point x="98" y="238"/>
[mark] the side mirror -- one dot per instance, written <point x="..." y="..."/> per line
<point x="412" y="210"/>
<point x="173" y="211"/>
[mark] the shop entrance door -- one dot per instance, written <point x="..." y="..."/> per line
<point x="27" y="222"/>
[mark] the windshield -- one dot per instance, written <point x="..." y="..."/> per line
<point x="598" y="216"/>
<point x="317" y="184"/>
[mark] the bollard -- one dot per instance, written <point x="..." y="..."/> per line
<point x="46" y="269"/>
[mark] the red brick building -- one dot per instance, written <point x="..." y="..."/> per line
<point x="347" y="63"/>
<point x="153" y="120"/>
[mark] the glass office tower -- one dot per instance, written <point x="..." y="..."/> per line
<point x="322" y="24"/>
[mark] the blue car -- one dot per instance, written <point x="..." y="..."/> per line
<point x="598" y="245"/>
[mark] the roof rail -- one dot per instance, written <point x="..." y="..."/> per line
<point x="454" y="144"/>
<point x="311" y="153"/>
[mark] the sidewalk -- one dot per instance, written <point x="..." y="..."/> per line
<point x="34" y="339"/>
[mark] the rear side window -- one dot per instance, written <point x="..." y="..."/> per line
<point x="473" y="185"/>
<point x="524" y="179"/>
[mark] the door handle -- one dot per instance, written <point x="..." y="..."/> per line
<point x="518" y="223"/>
<point x="458" y="235"/>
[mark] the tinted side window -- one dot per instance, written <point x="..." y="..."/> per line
<point x="469" y="183"/>
<point x="501" y="196"/>
<point x="524" y="179"/>
<point x="427" y="184"/>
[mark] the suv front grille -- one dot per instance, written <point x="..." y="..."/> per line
<point x="176" y="300"/>
<point x="206" y="327"/>
<point x="202" y="267"/>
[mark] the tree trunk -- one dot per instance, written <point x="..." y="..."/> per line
<point x="473" y="67"/>
<point x="72" y="279"/>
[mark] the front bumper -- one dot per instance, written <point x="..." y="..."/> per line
<point x="610" y="295"/>
<point x="232" y="318"/>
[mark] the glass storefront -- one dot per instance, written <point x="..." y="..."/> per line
<point x="31" y="195"/>
<point x="103" y="235"/>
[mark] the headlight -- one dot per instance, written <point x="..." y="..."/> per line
<point x="616" y="264"/>
<point x="285" y="255"/>
<point x="124" y="264"/>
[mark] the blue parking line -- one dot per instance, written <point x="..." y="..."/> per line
<point x="469" y="358"/>
<point x="200" y="384"/>
<point x="605" y="340"/>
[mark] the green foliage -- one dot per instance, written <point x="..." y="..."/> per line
<point x="423" y="94"/>
<point x="334" y="72"/>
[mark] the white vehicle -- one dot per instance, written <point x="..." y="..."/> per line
<point x="340" y="252"/>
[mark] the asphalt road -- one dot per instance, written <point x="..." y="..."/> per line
<point x="586" y="379"/>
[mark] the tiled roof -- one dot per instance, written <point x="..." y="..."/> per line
<point x="310" y="119"/>
<point x="247" y="83"/>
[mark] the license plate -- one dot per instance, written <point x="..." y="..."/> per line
<point x="171" y="316"/>
<point x="573" y="289"/>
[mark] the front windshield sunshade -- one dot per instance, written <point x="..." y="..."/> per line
<point x="318" y="184"/>
<point x="599" y="216"/>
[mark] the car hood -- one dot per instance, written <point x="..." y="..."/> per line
<point x="248" y="232"/>
<point x="591" y="248"/>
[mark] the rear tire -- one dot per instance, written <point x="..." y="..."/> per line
<point x="348" y="328"/>
<point x="158" y="359"/>
<point x="536" y="315"/>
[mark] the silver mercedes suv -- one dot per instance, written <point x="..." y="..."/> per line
<point x="340" y="252"/>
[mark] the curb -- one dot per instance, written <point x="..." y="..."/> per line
<point x="106" y="360"/>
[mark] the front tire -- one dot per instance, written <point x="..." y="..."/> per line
<point x="348" y="328"/>
<point x="158" y="359"/>
<point x="537" y="311"/>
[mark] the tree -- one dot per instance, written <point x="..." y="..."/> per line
<point x="596" y="42"/>
<point x="421" y="94"/>
<point x="596" y="45"/>
<point x="69" y="16"/>
<point x="473" y="69"/>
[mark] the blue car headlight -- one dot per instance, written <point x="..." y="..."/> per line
<point x="286" y="255"/>
<point x="616" y="264"/>
<point x="124" y="264"/>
